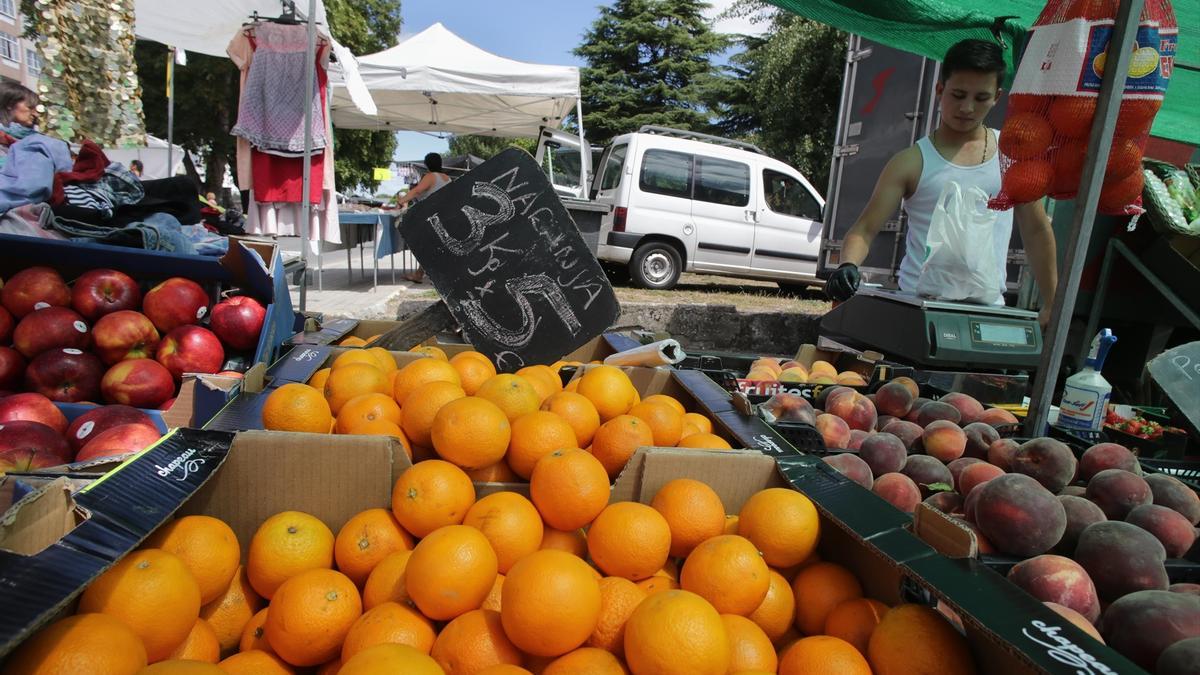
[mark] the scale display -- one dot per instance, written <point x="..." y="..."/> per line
<point x="1001" y="333"/>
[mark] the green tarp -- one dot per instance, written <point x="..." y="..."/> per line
<point x="930" y="27"/>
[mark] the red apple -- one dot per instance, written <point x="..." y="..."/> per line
<point x="98" y="420"/>
<point x="101" y="292"/>
<point x="34" y="288"/>
<point x="50" y="328"/>
<point x="125" y="334"/>
<point x="65" y="375"/>
<point x="166" y="405"/>
<point x="175" y="302"/>
<point x="191" y="349"/>
<point x="12" y="369"/>
<point x="141" y="383"/>
<point x="28" y="445"/>
<point x="119" y="440"/>
<point x="6" y="326"/>
<point x="238" y="321"/>
<point x="32" y="407"/>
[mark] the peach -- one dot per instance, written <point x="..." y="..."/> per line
<point x="767" y="363"/>
<point x="1018" y="515"/>
<point x="956" y="467"/>
<point x="1168" y="526"/>
<point x="1080" y="514"/>
<point x="823" y="368"/>
<point x="1142" y="626"/>
<point x="895" y="399"/>
<point x="915" y="411"/>
<point x="1047" y="461"/>
<point x="944" y="440"/>
<point x="1053" y="578"/>
<point x="977" y="474"/>
<point x="980" y="437"/>
<point x="997" y="417"/>
<point x="884" y="420"/>
<point x="1107" y="456"/>
<point x="907" y="432"/>
<point x="794" y="375"/>
<point x="985" y="547"/>
<point x="791" y="408"/>
<point x="1075" y="491"/>
<point x="927" y="471"/>
<point x="834" y="430"/>
<point x="821" y="379"/>
<point x="761" y="374"/>
<point x="1077" y="619"/>
<point x="1118" y="492"/>
<point x="850" y="466"/>
<point x="1181" y="658"/>
<point x="936" y="410"/>
<point x="909" y="384"/>
<point x="898" y="490"/>
<point x="969" y="503"/>
<point x="1193" y="589"/>
<point x="946" y="502"/>
<point x="1122" y="559"/>
<point x="857" y="436"/>
<point x="853" y="407"/>
<point x="850" y="378"/>
<point x="822" y="397"/>
<point x="969" y="409"/>
<point x="1170" y="492"/>
<point x="1001" y="453"/>
<point x="883" y="452"/>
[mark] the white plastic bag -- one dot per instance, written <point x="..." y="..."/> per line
<point x="960" y="251"/>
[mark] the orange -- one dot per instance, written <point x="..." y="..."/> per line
<point x="500" y="472"/>
<point x="854" y="621"/>
<point x="201" y="644"/>
<point x="688" y="429"/>
<point x="704" y="441"/>
<point x="657" y="584"/>
<point x="388" y="658"/>
<point x="430" y="350"/>
<point x="208" y="548"/>
<point x="431" y="494"/>
<point x="699" y="421"/>
<point x="419" y="372"/>
<point x="317" y="381"/>
<point x="389" y="623"/>
<point x="471" y="432"/>
<point x="503" y="669"/>
<point x="450" y="572"/>
<point x="916" y="639"/>
<point x="609" y="389"/>
<point x="254" y="635"/>
<point x="387" y="582"/>
<point x="578" y="412"/>
<point x="1071" y="116"/>
<point x="586" y="661"/>
<point x="357" y="356"/>
<point x="511" y="524"/>
<point x="618" y="598"/>
<point x="474" y="641"/>
<point x="728" y="572"/>
<point x="512" y="393"/>
<point x="544" y="380"/>
<point x="535" y="435"/>
<point x="101" y="642"/>
<point x="297" y="407"/>
<point x="229" y="613"/>
<point x="181" y="667"/>
<point x="310" y="616"/>
<point x="676" y="633"/>
<point x="383" y="359"/>
<point x="366" y="539"/>
<point x="666" y="423"/>
<point x="1027" y="180"/>
<point x="382" y="428"/>
<point x="777" y="611"/>
<point x="824" y="654"/>
<point x="569" y="488"/>
<point x="354" y="379"/>
<point x="617" y="439"/>
<point x="255" y="662"/>
<point x="422" y="408"/>
<point x="819" y="588"/>
<point x="782" y="523"/>
<point x="367" y="408"/>
<point x="693" y="511"/>
<point x="629" y="540"/>
<point x="1025" y="135"/>
<point x="532" y="610"/>
<point x="330" y="668"/>
<point x="667" y="400"/>
<point x="573" y="542"/>
<point x="731" y="525"/>
<point x="473" y="369"/>
<point x="285" y="545"/>
<point x="492" y="601"/>
<point x="153" y="593"/>
<point x="352" y="341"/>
<point x="750" y="647"/>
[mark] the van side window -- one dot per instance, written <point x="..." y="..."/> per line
<point x="667" y="173"/>
<point x="788" y="196"/>
<point x="722" y="182"/>
<point x="612" y="167"/>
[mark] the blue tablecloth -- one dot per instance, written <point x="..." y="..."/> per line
<point x="387" y="225"/>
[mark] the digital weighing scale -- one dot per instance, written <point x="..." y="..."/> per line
<point x="934" y="334"/>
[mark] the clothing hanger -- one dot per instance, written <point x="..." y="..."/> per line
<point x="287" y="17"/>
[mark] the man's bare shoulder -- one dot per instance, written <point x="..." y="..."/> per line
<point x="904" y="169"/>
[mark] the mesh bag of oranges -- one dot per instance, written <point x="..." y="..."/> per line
<point x="1043" y="142"/>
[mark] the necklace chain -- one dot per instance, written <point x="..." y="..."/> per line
<point x="982" y="155"/>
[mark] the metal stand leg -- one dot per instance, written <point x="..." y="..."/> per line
<point x="375" y="260"/>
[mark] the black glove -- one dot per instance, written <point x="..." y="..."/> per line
<point x="843" y="283"/>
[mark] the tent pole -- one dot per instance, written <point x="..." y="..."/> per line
<point x="1108" y="105"/>
<point x="583" y="152"/>
<point x="310" y="74"/>
<point x="170" y="111"/>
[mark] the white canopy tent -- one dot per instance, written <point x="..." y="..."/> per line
<point x="154" y="156"/>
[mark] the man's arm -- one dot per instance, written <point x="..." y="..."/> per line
<point x="416" y="190"/>
<point x="1038" y="238"/>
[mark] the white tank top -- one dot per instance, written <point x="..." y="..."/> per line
<point x="935" y="171"/>
<point x="439" y="181"/>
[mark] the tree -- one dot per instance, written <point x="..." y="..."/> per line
<point x="649" y="62"/>
<point x="486" y="147"/>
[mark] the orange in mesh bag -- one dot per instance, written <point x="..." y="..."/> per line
<point x="1043" y="143"/>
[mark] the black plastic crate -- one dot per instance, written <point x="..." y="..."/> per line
<point x="802" y="436"/>
<point x="1188" y="472"/>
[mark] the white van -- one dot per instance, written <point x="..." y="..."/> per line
<point x="684" y="201"/>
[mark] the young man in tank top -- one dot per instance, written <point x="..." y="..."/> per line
<point x="961" y="149"/>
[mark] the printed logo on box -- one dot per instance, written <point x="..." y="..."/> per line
<point x="1063" y="650"/>
<point x="1150" y="66"/>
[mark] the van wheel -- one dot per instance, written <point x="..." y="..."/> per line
<point x="655" y="265"/>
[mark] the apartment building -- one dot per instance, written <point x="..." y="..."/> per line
<point x="18" y="58"/>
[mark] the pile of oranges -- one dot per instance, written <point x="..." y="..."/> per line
<point x="560" y="583"/>
<point x="494" y="426"/>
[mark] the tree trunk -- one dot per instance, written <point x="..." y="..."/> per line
<point x="214" y="171"/>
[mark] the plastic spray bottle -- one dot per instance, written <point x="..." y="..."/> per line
<point x="1085" y="396"/>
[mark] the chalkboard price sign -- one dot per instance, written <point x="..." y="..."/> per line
<point x="510" y="263"/>
<point x="1177" y="371"/>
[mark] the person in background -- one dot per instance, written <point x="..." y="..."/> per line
<point x="210" y="200"/>
<point x="18" y="115"/>
<point x="430" y="183"/>
<point x="136" y="168"/>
